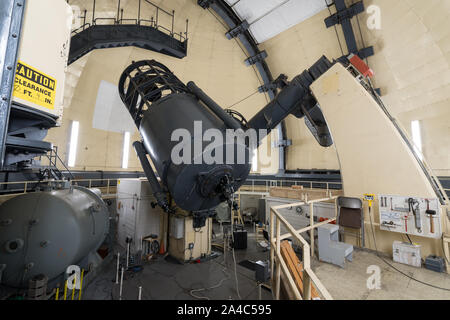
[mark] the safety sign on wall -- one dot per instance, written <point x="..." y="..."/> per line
<point x="34" y="86"/>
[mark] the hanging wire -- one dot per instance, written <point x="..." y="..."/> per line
<point x="243" y="50"/>
<point x="242" y="100"/>
<point x="335" y="28"/>
<point x="362" y="39"/>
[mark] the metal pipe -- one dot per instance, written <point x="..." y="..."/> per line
<point x="128" y="254"/>
<point x="93" y="14"/>
<point x="140" y="294"/>
<point x="118" y="266"/>
<point x="213" y="106"/>
<point x="158" y="7"/>
<point x="74" y="284"/>
<point x="158" y="193"/>
<point x="118" y="10"/>
<point x="65" y="290"/>
<point x="121" y="284"/>
<point x="259" y="291"/>
<point x="173" y="20"/>
<point x="139" y="13"/>
<point x="81" y="284"/>
<point x="57" y="292"/>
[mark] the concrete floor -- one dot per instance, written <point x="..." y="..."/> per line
<point x="163" y="279"/>
<point x="350" y="283"/>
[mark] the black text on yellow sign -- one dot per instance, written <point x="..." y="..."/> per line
<point x="34" y="86"/>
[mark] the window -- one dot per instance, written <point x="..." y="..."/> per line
<point x="126" y="150"/>
<point x="73" y="143"/>
<point x="417" y="138"/>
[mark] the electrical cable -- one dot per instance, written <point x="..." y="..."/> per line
<point x="235" y="267"/>
<point x="362" y="39"/>
<point x="191" y="293"/>
<point x="251" y="95"/>
<point x="407" y="235"/>
<point x="390" y="265"/>
<point x="335" y="28"/>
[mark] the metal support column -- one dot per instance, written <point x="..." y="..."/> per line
<point x="11" y="17"/>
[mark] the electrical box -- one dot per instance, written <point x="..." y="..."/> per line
<point x="410" y="215"/>
<point x="177" y="227"/>
<point x="407" y="253"/>
<point x="187" y="243"/>
<point x="137" y="218"/>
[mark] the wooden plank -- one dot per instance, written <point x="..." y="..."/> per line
<point x="295" y="268"/>
<point x="281" y="264"/>
<point x="297" y="193"/>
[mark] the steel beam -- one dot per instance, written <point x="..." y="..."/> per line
<point x="11" y="17"/>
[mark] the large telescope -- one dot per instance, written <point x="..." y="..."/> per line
<point x="165" y="111"/>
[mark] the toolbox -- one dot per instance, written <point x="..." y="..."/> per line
<point x="407" y="253"/>
<point x="435" y="263"/>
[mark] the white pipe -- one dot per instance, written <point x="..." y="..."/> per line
<point x="117" y="270"/>
<point x="140" y="293"/>
<point x="259" y="291"/>
<point x="121" y="284"/>
<point x="128" y="253"/>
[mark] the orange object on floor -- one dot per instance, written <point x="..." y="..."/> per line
<point x="161" y="249"/>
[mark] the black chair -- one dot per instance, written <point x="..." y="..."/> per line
<point x="351" y="215"/>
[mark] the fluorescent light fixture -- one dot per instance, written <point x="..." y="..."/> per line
<point x="255" y="160"/>
<point x="126" y="150"/>
<point x="417" y="138"/>
<point x="73" y="143"/>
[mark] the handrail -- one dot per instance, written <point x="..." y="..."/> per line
<point x="154" y="5"/>
<point x="267" y="184"/>
<point x="309" y="277"/>
<point x="89" y="182"/>
<point x="118" y="20"/>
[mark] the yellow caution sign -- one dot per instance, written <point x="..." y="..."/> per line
<point x="34" y="86"/>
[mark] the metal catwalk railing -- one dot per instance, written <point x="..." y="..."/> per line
<point x="141" y="19"/>
<point x="259" y="185"/>
<point x="277" y="263"/>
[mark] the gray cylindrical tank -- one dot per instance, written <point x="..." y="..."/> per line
<point x="192" y="186"/>
<point x="44" y="232"/>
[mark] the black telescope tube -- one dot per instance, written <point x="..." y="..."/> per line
<point x="213" y="106"/>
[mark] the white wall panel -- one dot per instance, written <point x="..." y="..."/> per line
<point x="110" y="113"/>
<point x="269" y="18"/>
